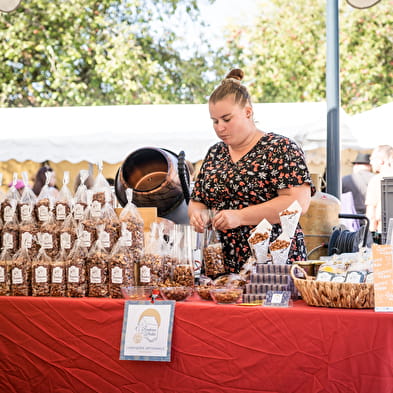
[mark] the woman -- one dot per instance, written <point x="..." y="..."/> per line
<point x="248" y="176"/>
<point x="40" y="180"/>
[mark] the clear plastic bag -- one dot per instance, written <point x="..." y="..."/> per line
<point x="121" y="268"/>
<point x="97" y="268"/>
<point x="76" y="269"/>
<point x="64" y="200"/>
<point x="58" y="274"/>
<point x="151" y="261"/>
<point x="213" y="256"/>
<point x="20" y="271"/>
<point x="134" y="221"/>
<point x="40" y="274"/>
<point x="5" y="278"/>
<point x="45" y="201"/>
<point x="80" y="197"/>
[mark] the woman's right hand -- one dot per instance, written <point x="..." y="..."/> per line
<point x="198" y="214"/>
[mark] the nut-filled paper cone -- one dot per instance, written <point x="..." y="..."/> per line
<point x="259" y="240"/>
<point x="290" y="217"/>
<point x="279" y="249"/>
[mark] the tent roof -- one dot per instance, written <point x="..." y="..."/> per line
<point x="110" y="133"/>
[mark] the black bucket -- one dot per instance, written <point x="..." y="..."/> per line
<point x="159" y="178"/>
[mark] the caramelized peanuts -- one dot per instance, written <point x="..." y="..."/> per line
<point x="213" y="257"/>
<point x="204" y="291"/>
<point x="10" y="237"/>
<point x="97" y="271"/>
<point x="150" y="269"/>
<point x="228" y="296"/>
<point x="279" y="245"/>
<point x="99" y="197"/>
<point x="76" y="277"/>
<point x="4" y="278"/>
<point x="288" y="212"/>
<point x="121" y="274"/>
<point x="28" y="238"/>
<point x="40" y="278"/>
<point x="135" y="227"/>
<point x="175" y="293"/>
<point x="20" y="271"/>
<point x="183" y="275"/>
<point x="258" y="237"/>
<point x="58" y="278"/>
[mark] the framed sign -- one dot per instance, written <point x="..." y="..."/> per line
<point x="147" y="331"/>
<point x="277" y="299"/>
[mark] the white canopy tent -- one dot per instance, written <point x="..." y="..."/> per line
<point x="374" y="127"/>
<point x="110" y="133"/>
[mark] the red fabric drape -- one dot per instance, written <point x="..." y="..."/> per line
<point x="72" y="345"/>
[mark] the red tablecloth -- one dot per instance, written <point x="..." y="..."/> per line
<point x="72" y="345"/>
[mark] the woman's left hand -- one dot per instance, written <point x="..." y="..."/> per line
<point x="226" y="219"/>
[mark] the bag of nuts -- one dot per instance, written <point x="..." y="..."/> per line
<point x="112" y="227"/>
<point x="134" y="221"/>
<point x="151" y="261"/>
<point x="48" y="237"/>
<point x="26" y="203"/>
<point x="67" y="233"/>
<point x="5" y="262"/>
<point x="80" y="197"/>
<point x="10" y="230"/>
<point x="45" y="201"/>
<point x="20" y="272"/>
<point x="121" y="268"/>
<point x="90" y="222"/>
<point x="97" y="268"/>
<point x="40" y="274"/>
<point x="58" y="274"/>
<point x="76" y="269"/>
<point x="213" y="256"/>
<point x="101" y="189"/>
<point x="64" y="200"/>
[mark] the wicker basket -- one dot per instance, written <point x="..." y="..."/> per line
<point x="333" y="294"/>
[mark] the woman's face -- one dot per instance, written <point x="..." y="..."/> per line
<point x="231" y="122"/>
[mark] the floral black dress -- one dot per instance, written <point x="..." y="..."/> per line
<point x="274" y="163"/>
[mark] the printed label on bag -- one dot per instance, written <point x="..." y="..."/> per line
<point x="117" y="275"/>
<point x="95" y="275"/>
<point x="73" y="274"/>
<point x="41" y="274"/>
<point x="2" y="274"/>
<point x="16" y="276"/>
<point x="65" y="240"/>
<point x="144" y="274"/>
<point x="57" y="275"/>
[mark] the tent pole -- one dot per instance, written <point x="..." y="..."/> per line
<point x="333" y="149"/>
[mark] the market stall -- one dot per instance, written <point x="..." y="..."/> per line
<point x="58" y="345"/>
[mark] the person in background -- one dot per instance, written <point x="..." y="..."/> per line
<point x="40" y="179"/>
<point x="380" y="163"/>
<point x="358" y="180"/>
<point x="19" y="185"/>
<point x="251" y="175"/>
<point x="89" y="183"/>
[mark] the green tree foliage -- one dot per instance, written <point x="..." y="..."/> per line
<point x="284" y="53"/>
<point x="107" y="52"/>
